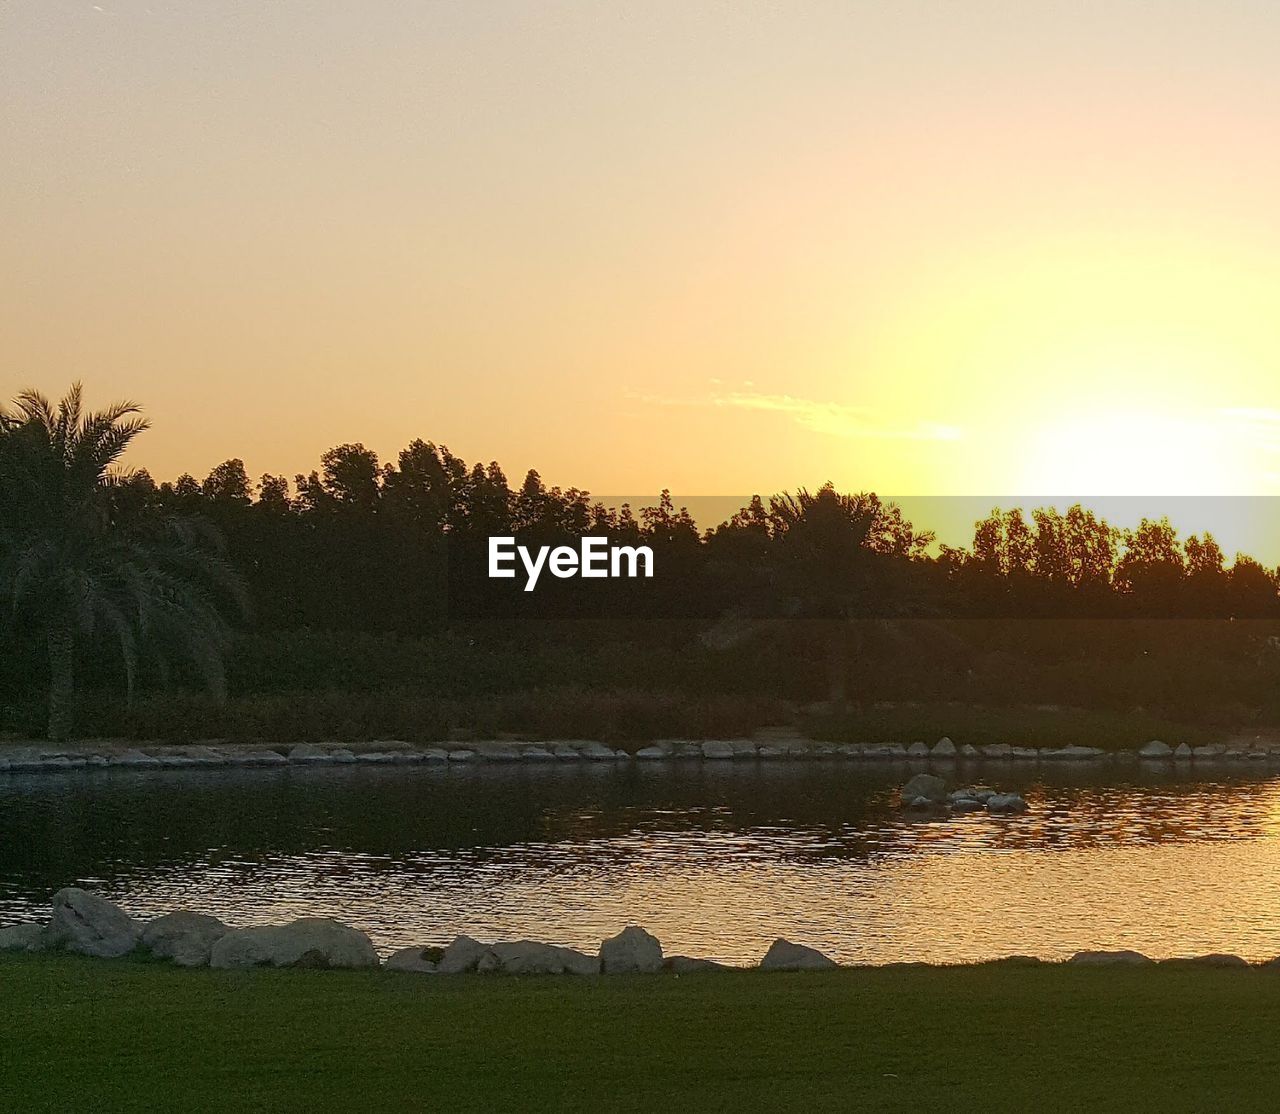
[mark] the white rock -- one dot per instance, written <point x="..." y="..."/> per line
<point x="343" y="757"/>
<point x="537" y="754"/>
<point x="686" y="965"/>
<point x="997" y="750"/>
<point x="382" y="757"/>
<point x="968" y="750"/>
<point x="411" y="959"/>
<point x="1155" y="749"/>
<point x="497" y="752"/>
<point x="262" y="758"/>
<point x="917" y="750"/>
<point x="173" y="761"/>
<point x="783" y="955"/>
<point x="563" y="750"/>
<point x="1109" y="959"/>
<point x="1182" y="751"/>
<point x="91" y="925"/>
<point x="134" y="759"/>
<point x="944" y="748"/>
<point x="435" y="754"/>
<point x="633" y="950"/>
<point x="1079" y="752"/>
<point x="206" y="756"/>
<point x="1024" y="752"/>
<point x="598" y="752"/>
<point x="462" y="755"/>
<point x="186" y="938"/>
<point x="651" y="753"/>
<point x="25" y="759"/>
<point x="529" y="957"/>
<point x="58" y="762"/>
<point x="717" y="748"/>
<point x="461" y="956"/>
<point x="1213" y="959"/>
<point x="1209" y="750"/>
<point x="308" y="942"/>
<point x="29" y="937"/>
<point x="309" y="753"/>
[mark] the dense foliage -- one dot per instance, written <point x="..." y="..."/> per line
<point x="370" y="609"/>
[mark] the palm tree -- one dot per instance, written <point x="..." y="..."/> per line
<point x="78" y="569"/>
<point x="847" y="566"/>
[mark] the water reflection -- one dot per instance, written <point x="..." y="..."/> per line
<point x="717" y="859"/>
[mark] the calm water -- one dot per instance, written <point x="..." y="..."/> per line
<point x="715" y="858"/>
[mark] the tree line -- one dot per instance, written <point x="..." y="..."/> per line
<point x="112" y="580"/>
<point x="363" y="543"/>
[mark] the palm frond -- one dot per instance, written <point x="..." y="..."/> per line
<point x="155" y="587"/>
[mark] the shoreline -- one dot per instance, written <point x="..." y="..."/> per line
<point x="85" y="923"/>
<point x="30" y="756"/>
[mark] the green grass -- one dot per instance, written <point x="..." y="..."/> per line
<point x="97" y="1035"/>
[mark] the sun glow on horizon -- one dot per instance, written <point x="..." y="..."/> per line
<point x="1123" y="453"/>
<point x="932" y="249"/>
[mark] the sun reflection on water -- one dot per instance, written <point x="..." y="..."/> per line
<point x="716" y="863"/>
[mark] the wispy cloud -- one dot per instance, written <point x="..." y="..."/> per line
<point x="832" y="418"/>
<point x="1259" y="424"/>
<point x="1260" y="414"/>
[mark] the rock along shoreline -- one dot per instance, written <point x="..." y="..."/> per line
<point x="19" y="758"/>
<point x="88" y="924"/>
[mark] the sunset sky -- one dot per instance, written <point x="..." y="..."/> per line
<point x="926" y="248"/>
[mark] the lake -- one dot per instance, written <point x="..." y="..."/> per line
<point x="715" y="858"/>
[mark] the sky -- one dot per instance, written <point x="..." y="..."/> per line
<point x="1017" y="248"/>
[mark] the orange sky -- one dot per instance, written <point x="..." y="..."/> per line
<point x="923" y="248"/>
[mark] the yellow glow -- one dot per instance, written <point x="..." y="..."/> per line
<point x="926" y="249"/>
<point x="1129" y="453"/>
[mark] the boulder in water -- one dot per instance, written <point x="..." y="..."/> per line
<point x="1006" y="803"/>
<point x="929" y="786"/>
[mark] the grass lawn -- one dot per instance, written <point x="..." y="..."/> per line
<point x="78" y="1034"/>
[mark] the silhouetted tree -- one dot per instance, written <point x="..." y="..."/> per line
<point x="77" y="567"/>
